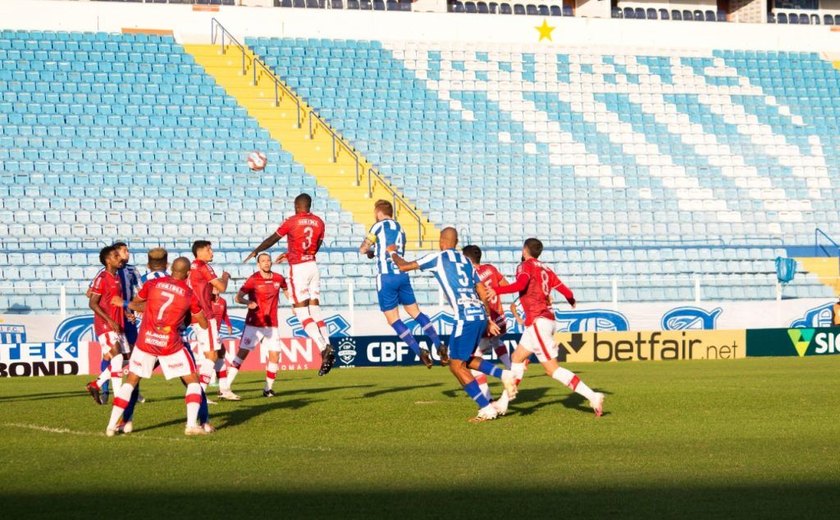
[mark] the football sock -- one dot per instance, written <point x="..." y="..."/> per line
<point x="475" y="394"/>
<point x="315" y="312"/>
<point x="405" y="335"/>
<point x="481" y="379"/>
<point x="221" y="373"/>
<point x="569" y="379"/>
<point x="193" y="400"/>
<point x="270" y="374"/>
<point x="518" y="371"/>
<point x="128" y="414"/>
<point x="104" y="377"/>
<point x="206" y="370"/>
<point x="121" y="398"/>
<point x="231" y="373"/>
<point x="490" y="369"/>
<point x="310" y="327"/>
<point x="105" y="366"/>
<point x="428" y="329"/>
<point x="504" y="357"/>
<point x="116" y="371"/>
<point x="203" y="409"/>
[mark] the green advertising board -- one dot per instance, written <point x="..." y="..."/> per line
<point x="793" y="342"/>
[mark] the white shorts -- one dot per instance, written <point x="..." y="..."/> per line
<point x="268" y="337"/>
<point x="304" y="282"/>
<point x="111" y="339"/>
<point x="178" y="364"/>
<point x="538" y="339"/>
<point x="208" y="339"/>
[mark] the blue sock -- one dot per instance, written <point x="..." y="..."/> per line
<point x="475" y="394"/>
<point x="489" y="368"/>
<point x="104" y="364"/>
<point x="128" y="413"/>
<point x="203" y="410"/>
<point x="428" y="329"/>
<point x="404" y="334"/>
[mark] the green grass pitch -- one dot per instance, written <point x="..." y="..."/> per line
<point x="754" y="438"/>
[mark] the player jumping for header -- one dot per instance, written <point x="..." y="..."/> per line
<point x="304" y="234"/>
<point x="534" y="283"/>
<point x="393" y="286"/>
<point x="465" y="294"/>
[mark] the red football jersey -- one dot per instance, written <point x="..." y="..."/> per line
<point x="266" y="292"/>
<point x="221" y="314"/>
<point x="201" y="274"/>
<point x="492" y="278"/>
<point x="167" y="303"/>
<point x="107" y="285"/>
<point x="541" y="281"/>
<point x="303" y="232"/>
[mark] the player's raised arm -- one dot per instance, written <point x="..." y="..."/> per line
<point x="221" y="283"/>
<point x="520" y="284"/>
<point x="267" y="243"/>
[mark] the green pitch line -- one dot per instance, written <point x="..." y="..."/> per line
<point x="754" y="438"/>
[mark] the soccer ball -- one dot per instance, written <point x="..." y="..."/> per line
<point x="257" y="161"/>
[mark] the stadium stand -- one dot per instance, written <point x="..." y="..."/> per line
<point x="657" y="169"/>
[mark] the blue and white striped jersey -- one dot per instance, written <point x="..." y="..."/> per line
<point x="152" y="275"/>
<point x="386" y="233"/>
<point x="458" y="279"/>
<point x="130" y="282"/>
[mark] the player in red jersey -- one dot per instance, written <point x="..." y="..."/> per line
<point x="165" y="303"/>
<point x="106" y="302"/>
<point x="220" y="312"/>
<point x="261" y="293"/>
<point x="304" y="234"/>
<point x="534" y="283"/>
<point x="203" y="281"/>
<point x="492" y="278"/>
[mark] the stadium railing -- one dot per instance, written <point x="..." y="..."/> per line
<point x="218" y="33"/>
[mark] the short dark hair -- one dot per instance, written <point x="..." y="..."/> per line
<point x="158" y="258"/>
<point x="534" y="246"/>
<point x="200" y="244"/>
<point x="473" y="252"/>
<point x="104" y="253"/>
<point x="384" y="206"/>
<point x="119" y="245"/>
<point x="303" y="200"/>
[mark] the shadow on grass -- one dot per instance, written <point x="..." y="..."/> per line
<point x="241" y="414"/>
<point x="396" y="389"/>
<point x="47" y="395"/>
<point x="281" y="392"/>
<point x="806" y="500"/>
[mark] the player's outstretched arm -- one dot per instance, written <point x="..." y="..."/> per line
<point x="520" y="284"/>
<point x="221" y="283"/>
<point x="403" y="265"/>
<point x="268" y="242"/>
<point x="366" y="248"/>
<point x="138" y="304"/>
<point x="485" y="295"/>
<point x="565" y="291"/>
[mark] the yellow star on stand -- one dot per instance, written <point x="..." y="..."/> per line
<point x="545" y="31"/>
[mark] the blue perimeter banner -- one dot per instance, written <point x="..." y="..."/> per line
<point x="385" y="351"/>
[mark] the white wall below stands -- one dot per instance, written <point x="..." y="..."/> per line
<point x="593" y="8"/>
<point x="192" y="26"/>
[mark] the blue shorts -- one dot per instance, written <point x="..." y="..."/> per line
<point x="394" y="290"/>
<point x="465" y="339"/>
<point x="130" y="330"/>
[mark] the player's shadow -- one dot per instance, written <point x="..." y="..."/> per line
<point x="241" y="414"/>
<point x="529" y="400"/>
<point x="394" y="390"/>
<point x="258" y="386"/>
<point x="42" y="396"/>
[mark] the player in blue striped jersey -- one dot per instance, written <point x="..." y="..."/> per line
<point x="468" y="298"/>
<point x="394" y="287"/>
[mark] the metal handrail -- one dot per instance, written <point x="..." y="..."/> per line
<point x="817" y="246"/>
<point x="338" y="142"/>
